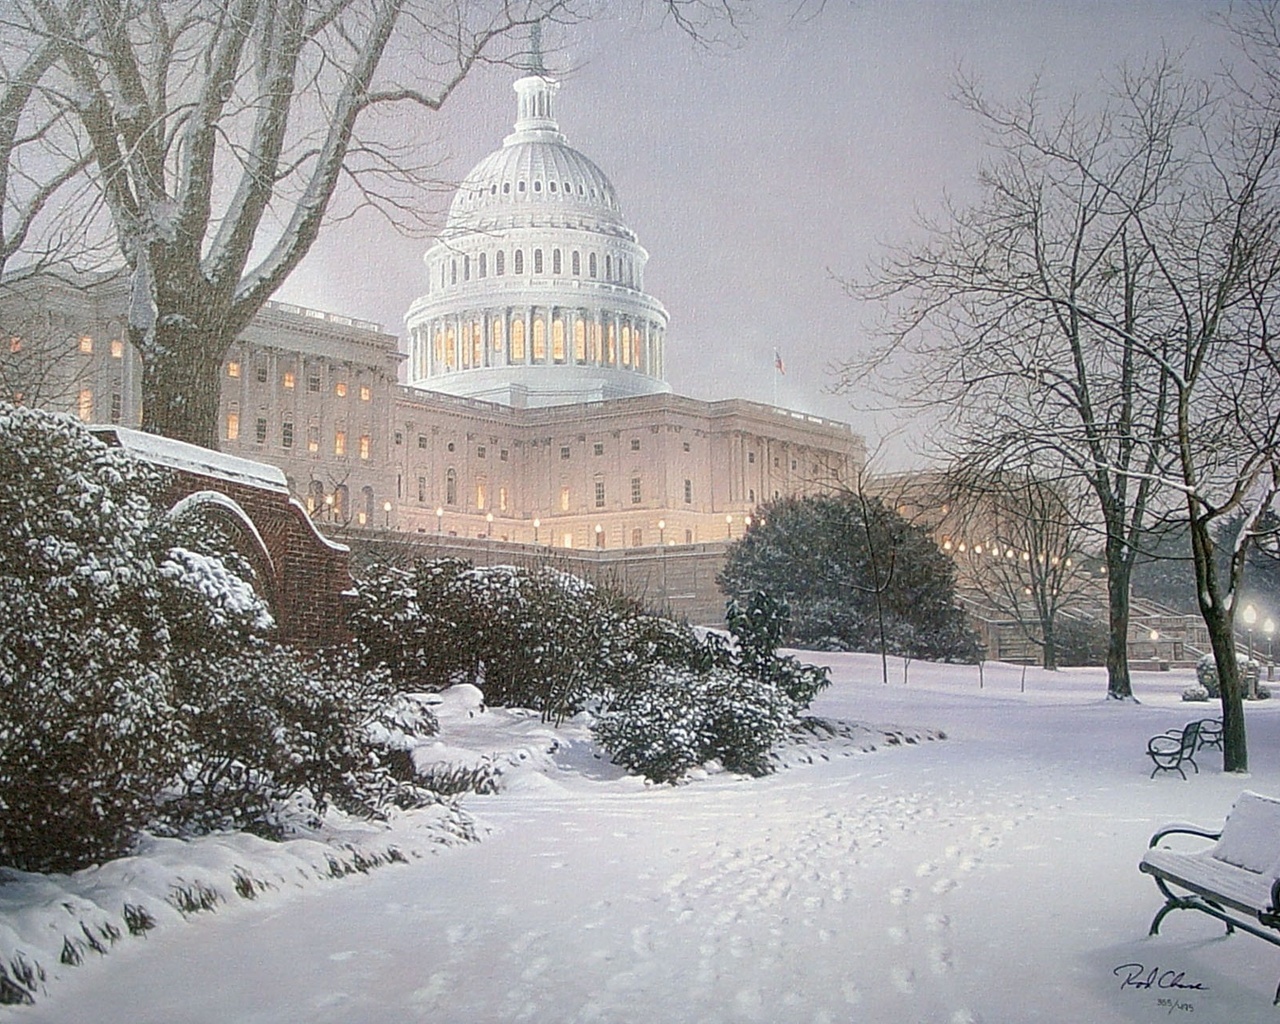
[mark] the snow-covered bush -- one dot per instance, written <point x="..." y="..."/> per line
<point x="88" y="735"/>
<point x="1207" y="674"/>
<point x="1195" y="693"/>
<point x="679" y="719"/>
<point x="758" y="629"/>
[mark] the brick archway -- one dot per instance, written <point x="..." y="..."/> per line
<point x="218" y="509"/>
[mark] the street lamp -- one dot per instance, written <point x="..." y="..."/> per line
<point x="386" y="511"/>
<point x="599" y="536"/>
<point x="1155" y="645"/>
<point x="439" y="519"/>
<point x="1269" y="627"/>
<point x="662" y="533"/>
<point x="488" y="530"/>
<point x="728" y="526"/>
<point x="1250" y="617"/>
<point x="328" y="506"/>
<point x="536" y="523"/>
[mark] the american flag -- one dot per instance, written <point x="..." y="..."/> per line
<point x="777" y="362"/>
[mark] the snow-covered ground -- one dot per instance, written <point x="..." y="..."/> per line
<point x="991" y="876"/>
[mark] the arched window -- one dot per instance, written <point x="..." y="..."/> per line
<point x="608" y="267"/>
<point x="453" y="271"/>
<point x="579" y="341"/>
<point x="626" y="345"/>
<point x="557" y="340"/>
<point x="439" y="350"/>
<point x="450" y="349"/>
<point x="517" y="341"/>
<point x="497" y="337"/>
<point x="519" y="265"/>
<point x="539" y="340"/>
<point x="556" y="266"/>
<point x="575" y="263"/>
<point x="341" y="503"/>
<point x="451" y="486"/>
<point x="637" y="349"/>
<point x="500" y="263"/>
<point x="466" y="268"/>
<point x="613" y="345"/>
<point x="484" y="264"/>
<point x="315" y="496"/>
<point x="477" y="344"/>
<point x="537" y="261"/>
<point x="597" y="335"/>
<point x="591" y="265"/>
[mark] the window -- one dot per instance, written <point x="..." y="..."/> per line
<point x="537" y="261"/>
<point x="466" y="268"/>
<point x="365" y="443"/>
<point x="517" y="341"/>
<point x="451" y="487"/>
<point x="233" y="424"/>
<point x="635" y="490"/>
<point x="313" y="383"/>
<point x="688" y="492"/>
<point x="556" y="267"/>
<point x="116" y="406"/>
<point x="84" y="404"/>
<point x="481" y="451"/>
<point x="260" y="372"/>
<point x="422" y="442"/>
<point x="686" y="446"/>
<point x="502" y="499"/>
<point x="313" y="437"/>
<point x="751" y="495"/>
<point x="422" y="489"/>
<point x="637" y="537"/>
<point x="557" y="341"/>
<point x="751" y="458"/>
<point x="599" y="494"/>
<point x="635" y="444"/>
<point x="481" y="494"/>
<point x="484" y="264"/>
<point x="566" y="541"/>
<point x="233" y="370"/>
<point x="286" y="434"/>
<point x="260" y="430"/>
<point x="287" y="381"/>
<point x="575" y="263"/>
<point x="340" y="389"/>
<point x="117" y="349"/>
<point x="579" y="341"/>
<point x="793" y="465"/>
<point x="503" y="454"/>
<point x="499" y="263"/>
<point x="688" y="536"/>
<point x="599" y="537"/>
<point x="398" y="438"/>
<point x="598" y="448"/>
<point x="539" y="340"/>
<point x="86" y="344"/>
<point x="366" y="393"/>
<point x="591" y="265"/>
<point x="564" y="451"/>
<point x="564" y="499"/>
<point x="339" y="442"/>
<point x="519" y="261"/>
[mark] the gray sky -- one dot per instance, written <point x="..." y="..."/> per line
<point x="756" y="173"/>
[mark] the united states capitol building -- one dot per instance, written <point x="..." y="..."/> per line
<point x="527" y="401"/>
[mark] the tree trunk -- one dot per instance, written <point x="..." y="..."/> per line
<point x="181" y="385"/>
<point x="1119" y="686"/>
<point x="1050" y="648"/>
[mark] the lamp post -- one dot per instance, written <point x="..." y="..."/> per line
<point x="1155" y="646"/>
<point x="662" y="533"/>
<point x="536" y="523"/>
<point x="439" y="520"/>
<point x="328" y="506"/>
<point x="386" y="513"/>
<point x="1269" y="627"/>
<point x="488" y="538"/>
<point x="599" y="536"/>
<point x="1250" y="617"/>
<point x="728" y="526"/>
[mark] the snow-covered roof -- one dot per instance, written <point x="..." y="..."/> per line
<point x="164" y="451"/>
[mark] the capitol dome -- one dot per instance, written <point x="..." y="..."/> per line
<point x="535" y="287"/>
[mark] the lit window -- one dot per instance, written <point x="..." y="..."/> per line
<point x="557" y="340"/>
<point x="502" y="499"/>
<point x="233" y="426"/>
<point x="481" y="495"/>
<point x="288" y="380"/>
<point x="313" y="437"/>
<point x="517" y="341"/>
<point x="117" y="349"/>
<point x="635" y="490"/>
<point x="566" y="541"/>
<point x="340" y="389"/>
<point x="86" y="344"/>
<point x="613" y="345"/>
<point x="233" y="369"/>
<point x="539" y="340"/>
<point x="84" y="404"/>
<point x="365" y="393"/>
<point x="364" y="446"/>
<point x="339" y="442"/>
<point x="579" y="341"/>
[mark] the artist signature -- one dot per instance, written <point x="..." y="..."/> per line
<point x="1143" y="977"/>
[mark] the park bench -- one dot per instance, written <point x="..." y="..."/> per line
<point x="1236" y="880"/>
<point x="1171" y="750"/>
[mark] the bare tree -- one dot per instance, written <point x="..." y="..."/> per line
<point x="1022" y="316"/>
<point x="220" y="132"/>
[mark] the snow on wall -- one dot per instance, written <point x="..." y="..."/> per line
<point x="165" y="451"/>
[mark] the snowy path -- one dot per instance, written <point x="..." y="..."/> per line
<point x="989" y="877"/>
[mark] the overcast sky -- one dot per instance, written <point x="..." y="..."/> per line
<point x="757" y="174"/>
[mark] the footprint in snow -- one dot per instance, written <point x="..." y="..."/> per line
<point x="900" y="895"/>
<point x="926" y="869"/>
<point x="904" y="980"/>
<point x="642" y="941"/>
<point x="940" y="960"/>
<point x="937" y="922"/>
<point x="943" y="885"/>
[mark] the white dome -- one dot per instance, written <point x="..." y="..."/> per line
<point x="535" y="285"/>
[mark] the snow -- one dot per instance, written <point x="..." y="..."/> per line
<point x="990" y="875"/>
<point x="165" y="451"/>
